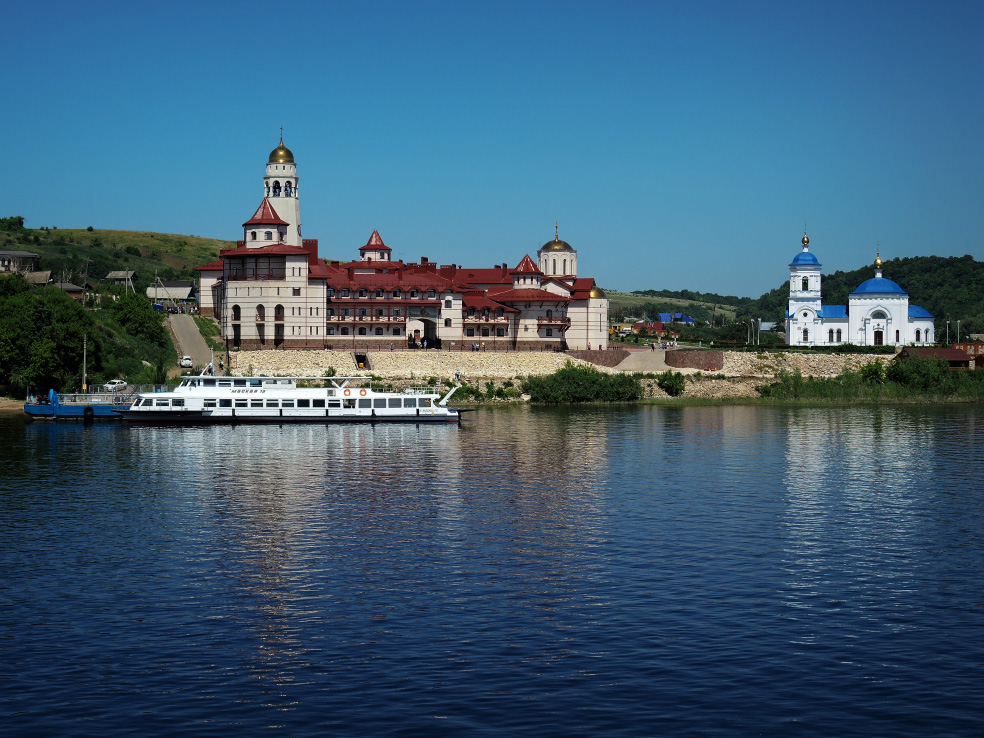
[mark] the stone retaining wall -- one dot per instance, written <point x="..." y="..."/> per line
<point x="610" y="359"/>
<point x="703" y="359"/>
<point x="403" y="364"/>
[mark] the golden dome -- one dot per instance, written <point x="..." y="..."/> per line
<point x="281" y="154"/>
<point x="597" y="292"/>
<point x="556" y="244"/>
<point x="878" y="261"/>
<point x="806" y="240"/>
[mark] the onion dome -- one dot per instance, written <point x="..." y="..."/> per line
<point x="281" y="154"/>
<point x="878" y="261"/>
<point x="556" y="244"/>
<point x="805" y="258"/>
<point x="598" y="293"/>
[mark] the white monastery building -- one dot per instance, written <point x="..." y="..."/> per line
<point x="274" y="291"/>
<point x="878" y="311"/>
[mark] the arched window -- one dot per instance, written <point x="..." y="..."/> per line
<point x="550" y="313"/>
<point x="379" y="331"/>
<point x="878" y="315"/>
<point x="838" y="335"/>
<point x="276" y="188"/>
<point x="918" y="335"/>
<point x="554" y="266"/>
<point x="362" y="292"/>
<point x="431" y="294"/>
<point x="278" y="313"/>
<point x="830" y="335"/>
<point x="565" y="266"/>
<point x="268" y="235"/>
<point x="287" y="188"/>
<point x="806" y="283"/>
<point x="806" y="334"/>
<point x="362" y="331"/>
<point x="235" y="312"/>
<point x="260" y="313"/>
<point x="252" y="235"/>
<point x="413" y="293"/>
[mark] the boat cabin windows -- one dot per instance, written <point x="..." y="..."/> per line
<point x="273" y="403"/>
<point x="177" y="402"/>
<point x="365" y="404"/>
<point x="256" y="403"/>
<point x="394" y="402"/>
<point x="317" y="403"/>
<point x="163" y="403"/>
<point x="379" y="402"/>
<point x="242" y="403"/>
<point x="410" y="402"/>
<point x="304" y="403"/>
<point x="333" y="403"/>
<point x="287" y="403"/>
<point x="225" y="403"/>
<point x="210" y="402"/>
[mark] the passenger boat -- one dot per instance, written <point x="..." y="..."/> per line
<point x="205" y="399"/>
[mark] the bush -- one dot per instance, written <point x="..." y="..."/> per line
<point x="574" y="384"/>
<point x="672" y="383"/>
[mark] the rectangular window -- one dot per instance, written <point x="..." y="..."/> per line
<point x="549" y="332"/>
<point x="163" y="403"/>
<point x="297" y="292"/>
<point x="409" y="402"/>
<point x="242" y="403"/>
<point x="256" y="403"/>
<point x="287" y="403"/>
<point x="379" y="402"/>
<point x="500" y="332"/>
<point x="331" y="331"/>
<point x="304" y="403"/>
<point x="273" y="403"/>
<point x="345" y="331"/>
<point x="396" y="331"/>
<point x="177" y="402"/>
<point x="470" y="332"/>
<point x="366" y="404"/>
<point x="317" y="403"/>
<point x="447" y="303"/>
<point x="225" y="403"/>
<point x="334" y="403"/>
<point x="447" y="322"/>
<point x="210" y="403"/>
<point x="394" y="402"/>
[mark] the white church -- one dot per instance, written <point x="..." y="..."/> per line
<point x="878" y="312"/>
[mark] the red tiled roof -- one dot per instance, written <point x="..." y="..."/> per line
<point x="212" y="266"/>
<point x="265" y="215"/>
<point x="479" y="301"/>
<point x="526" y="295"/>
<point x="527" y="266"/>
<point x="376" y="242"/>
<point x="277" y="248"/>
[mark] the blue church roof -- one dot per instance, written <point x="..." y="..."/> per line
<point x="804" y="258"/>
<point x="879" y="286"/>
<point x="918" y="312"/>
<point x="833" y="311"/>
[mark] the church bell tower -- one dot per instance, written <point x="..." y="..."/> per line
<point x="280" y="188"/>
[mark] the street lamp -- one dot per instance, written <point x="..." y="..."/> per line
<point x="947" y="331"/>
<point x="958" y="330"/>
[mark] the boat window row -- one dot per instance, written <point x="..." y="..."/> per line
<point x="257" y="403"/>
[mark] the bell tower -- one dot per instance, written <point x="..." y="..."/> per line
<point x="280" y="188"/>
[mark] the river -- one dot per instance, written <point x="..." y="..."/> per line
<point x="638" y="571"/>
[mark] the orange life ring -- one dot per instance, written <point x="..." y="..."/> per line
<point x="362" y="392"/>
<point x="348" y="392"/>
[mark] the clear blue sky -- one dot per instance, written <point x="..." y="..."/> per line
<point x="679" y="144"/>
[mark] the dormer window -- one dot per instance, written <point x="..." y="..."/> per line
<point x="362" y="293"/>
<point x="345" y="292"/>
<point x="268" y="235"/>
<point x="431" y="294"/>
<point x="331" y="292"/>
<point x="413" y="293"/>
<point x="396" y="292"/>
<point x="379" y="293"/>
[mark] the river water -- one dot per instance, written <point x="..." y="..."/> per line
<point x="643" y="571"/>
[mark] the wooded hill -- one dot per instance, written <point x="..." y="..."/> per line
<point x="81" y="255"/>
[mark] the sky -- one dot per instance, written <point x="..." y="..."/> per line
<point x="679" y="145"/>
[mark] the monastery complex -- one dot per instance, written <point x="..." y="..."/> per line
<point x="274" y="291"/>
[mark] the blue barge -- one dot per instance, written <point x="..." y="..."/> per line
<point x="78" y="406"/>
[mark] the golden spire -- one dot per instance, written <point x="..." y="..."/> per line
<point x="556" y="230"/>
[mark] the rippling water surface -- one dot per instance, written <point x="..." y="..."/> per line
<point x="728" y="571"/>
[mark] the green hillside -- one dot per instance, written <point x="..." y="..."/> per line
<point x="80" y="255"/>
<point x="647" y="304"/>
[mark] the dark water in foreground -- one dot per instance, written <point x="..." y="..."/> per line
<point x="729" y="571"/>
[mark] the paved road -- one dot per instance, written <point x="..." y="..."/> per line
<point x="189" y="340"/>
<point x="644" y="361"/>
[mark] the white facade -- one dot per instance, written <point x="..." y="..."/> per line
<point x="280" y="185"/>
<point x="878" y="311"/>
